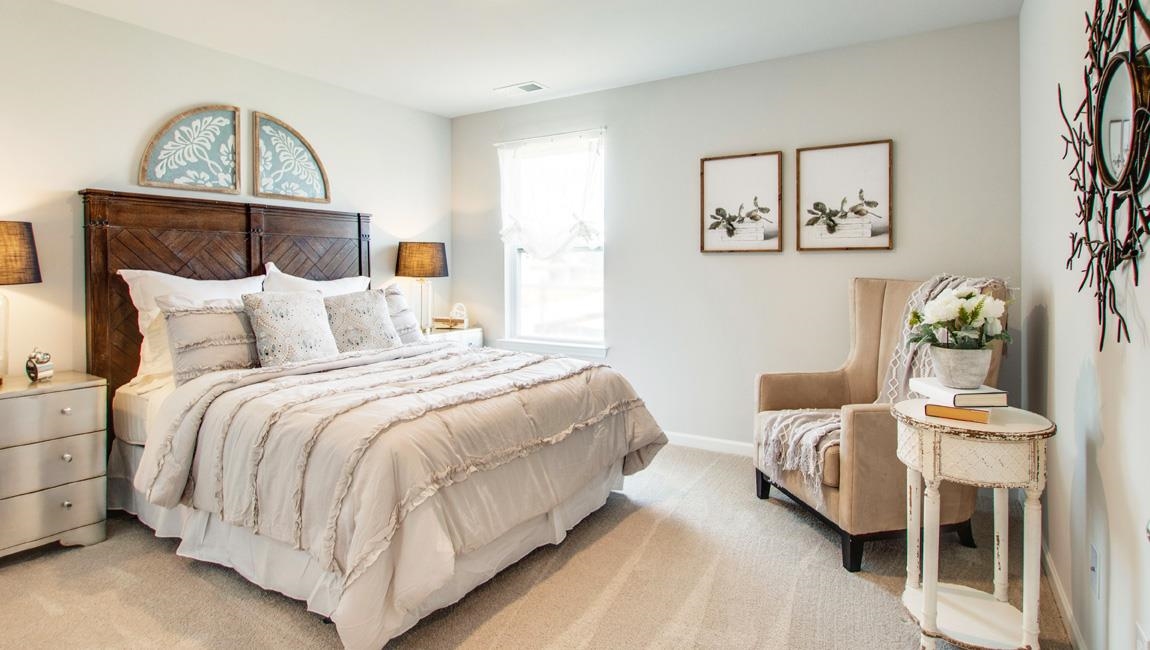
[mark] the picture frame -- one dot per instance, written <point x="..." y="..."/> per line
<point x="197" y="149"/>
<point x="845" y="196"/>
<point x="284" y="164"/>
<point x="740" y="203"/>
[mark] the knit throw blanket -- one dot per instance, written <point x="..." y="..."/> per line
<point x="796" y="439"/>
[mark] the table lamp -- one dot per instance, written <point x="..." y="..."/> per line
<point x="18" y="265"/>
<point x="422" y="260"/>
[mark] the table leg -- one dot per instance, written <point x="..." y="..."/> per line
<point x="1001" y="542"/>
<point x="1032" y="536"/>
<point x="929" y="619"/>
<point x="913" y="527"/>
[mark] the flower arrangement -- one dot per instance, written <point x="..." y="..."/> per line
<point x="729" y="221"/>
<point x="961" y="318"/>
<point x="831" y="219"/>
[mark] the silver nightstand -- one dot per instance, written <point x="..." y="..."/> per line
<point x="52" y="461"/>
<point x="472" y="337"/>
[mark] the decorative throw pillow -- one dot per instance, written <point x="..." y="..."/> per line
<point x="145" y="286"/>
<point x="360" y="321"/>
<point x="207" y="336"/>
<point x="289" y="326"/>
<point x="280" y="281"/>
<point x="402" y="317"/>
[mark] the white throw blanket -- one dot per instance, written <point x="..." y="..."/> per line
<point x="332" y="456"/>
<point x="795" y="439"/>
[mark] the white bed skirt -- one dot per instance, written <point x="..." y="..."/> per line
<point x="357" y="612"/>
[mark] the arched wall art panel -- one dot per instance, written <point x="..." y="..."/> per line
<point x="195" y="150"/>
<point x="285" y="165"/>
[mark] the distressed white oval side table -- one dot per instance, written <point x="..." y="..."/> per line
<point x="1008" y="452"/>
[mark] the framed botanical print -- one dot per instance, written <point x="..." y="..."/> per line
<point x="195" y="150"/>
<point x="740" y="203"/>
<point x="285" y="165"/>
<point x="844" y="196"/>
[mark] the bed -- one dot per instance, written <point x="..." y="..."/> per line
<point x="377" y="486"/>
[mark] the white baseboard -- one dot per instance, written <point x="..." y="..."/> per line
<point x="1061" y="596"/>
<point x="712" y="444"/>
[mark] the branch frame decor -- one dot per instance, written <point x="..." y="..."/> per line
<point x="284" y="164"/>
<point x="195" y="150"/>
<point x="740" y="203"/>
<point x="1107" y="139"/>
<point x="845" y="197"/>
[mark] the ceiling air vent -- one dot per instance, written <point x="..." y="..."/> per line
<point x="525" y="87"/>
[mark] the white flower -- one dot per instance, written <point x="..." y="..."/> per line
<point x="942" y="308"/>
<point x="993" y="326"/>
<point x="993" y="307"/>
<point x="965" y="292"/>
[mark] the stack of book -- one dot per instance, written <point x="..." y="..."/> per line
<point x="968" y="405"/>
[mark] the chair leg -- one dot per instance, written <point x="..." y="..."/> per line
<point x="762" y="485"/>
<point x="852" y="552"/>
<point x="966" y="534"/>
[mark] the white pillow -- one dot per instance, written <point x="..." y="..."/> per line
<point x="402" y="317"/>
<point x="360" y="321"/>
<point x="145" y="286"/>
<point x="280" y="281"/>
<point x="207" y="336"/>
<point x="289" y="326"/>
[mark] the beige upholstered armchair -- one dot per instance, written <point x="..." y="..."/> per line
<point x="863" y="482"/>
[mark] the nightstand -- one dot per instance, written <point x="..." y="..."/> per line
<point x="472" y="337"/>
<point x="52" y="461"/>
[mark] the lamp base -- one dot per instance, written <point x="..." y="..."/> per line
<point x="3" y="337"/>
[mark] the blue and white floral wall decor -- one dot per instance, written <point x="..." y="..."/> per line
<point x="195" y="150"/>
<point x="285" y="165"/>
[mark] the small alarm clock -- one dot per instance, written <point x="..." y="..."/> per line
<point x="39" y="366"/>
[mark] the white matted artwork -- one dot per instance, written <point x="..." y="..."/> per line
<point x="844" y="196"/>
<point x="740" y="199"/>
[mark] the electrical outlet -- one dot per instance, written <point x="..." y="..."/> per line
<point x="1143" y="640"/>
<point x="1095" y="577"/>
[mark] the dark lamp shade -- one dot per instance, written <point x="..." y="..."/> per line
<point x="18" y="261"/>
<point x="421" y="259"/>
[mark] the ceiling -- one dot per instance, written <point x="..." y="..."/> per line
<point x="447" y="56"/>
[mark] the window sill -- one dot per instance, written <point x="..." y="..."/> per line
<point x="580" y="350"/>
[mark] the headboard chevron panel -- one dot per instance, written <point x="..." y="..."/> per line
<point x="202" y="239"/>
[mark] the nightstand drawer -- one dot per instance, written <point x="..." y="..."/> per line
<point x="28" y="468"/>
<point x="51" y="415"/>
<point x="33" y="516"/>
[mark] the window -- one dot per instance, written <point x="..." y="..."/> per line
<point x="552" y="203"/>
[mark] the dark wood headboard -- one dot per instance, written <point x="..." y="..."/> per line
<point x="202" y="239"/>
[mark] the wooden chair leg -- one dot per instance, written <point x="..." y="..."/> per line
<point x="852" y="552"/>
<point x="762" y="485"/>
<point x="966" y="534"/>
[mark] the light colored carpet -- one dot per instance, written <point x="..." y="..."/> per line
<point x="685" y="557"/>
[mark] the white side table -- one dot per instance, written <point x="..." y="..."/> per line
<point x="1008" y="452"/>
<point x="472" y="337"/>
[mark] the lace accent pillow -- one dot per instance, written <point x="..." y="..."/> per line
<point x="404" y="320"/>
<point x="289" y="326"/>
<point x="205" y="336"/>
<point x="360" y="321"/>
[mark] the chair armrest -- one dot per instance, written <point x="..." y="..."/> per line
<point x="872" y="480"/>
<point x="802" y="390"/>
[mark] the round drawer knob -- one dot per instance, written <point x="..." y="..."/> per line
<point x="67" y="410"/>
<point x="66" y="505"/>
<point x="67" y="458"/>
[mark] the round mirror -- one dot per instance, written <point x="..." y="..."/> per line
<point x="1114" y="138"/>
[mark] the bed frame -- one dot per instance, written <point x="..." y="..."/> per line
<point x="202" y="239"/>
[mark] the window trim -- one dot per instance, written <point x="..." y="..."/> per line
<point x="512" y="340"/>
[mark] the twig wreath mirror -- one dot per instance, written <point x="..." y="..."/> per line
<point x="1108" y="139"/>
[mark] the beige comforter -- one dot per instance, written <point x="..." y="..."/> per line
<point x="331" y="456"/>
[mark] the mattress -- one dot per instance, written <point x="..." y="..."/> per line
<point x="278" y="567"/>
<point x="135" y="405"/>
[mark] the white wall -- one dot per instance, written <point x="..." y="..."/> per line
<point x="692" y="330"/>
<point x="1097" y="492"/>
<point x="81" y="96"/>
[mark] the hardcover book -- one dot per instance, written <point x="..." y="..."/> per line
<point x="932" y="389"/>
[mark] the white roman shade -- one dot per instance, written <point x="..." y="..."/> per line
<point x="552" y="193"/>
